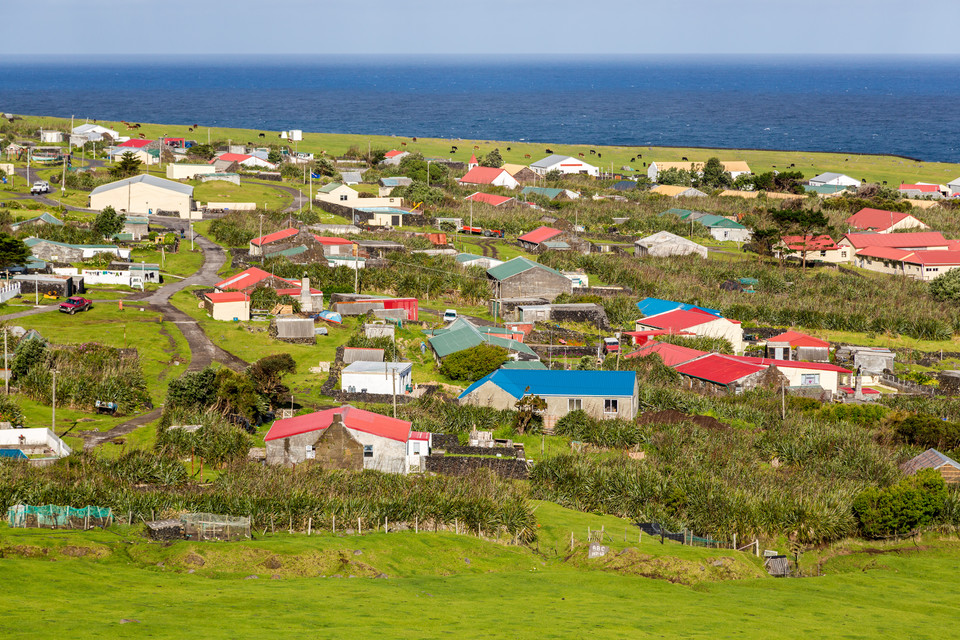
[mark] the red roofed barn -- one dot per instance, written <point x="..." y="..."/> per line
<point x="490" y="176"/>
<point x="880" y="221"/>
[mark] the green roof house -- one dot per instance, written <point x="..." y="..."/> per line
<point x="524" y="278"/>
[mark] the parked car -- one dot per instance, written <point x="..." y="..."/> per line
<point x="76" y="303"/>
<point x="611" y="345"/>
<point x="449" y="315"/>
<point x="40" y="186"/>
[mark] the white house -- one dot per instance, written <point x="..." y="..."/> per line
<point x="51" y="136"/>
<point x="563" y="164"/>
<point x="697" y="322"/>
<point x="93" y="133"/>
<point x="735" y="168"/>
<point x="188" y="171"/>
<point x="490" y="176"/>
<point x="954" y="186"/>
<point x="383" y="378"/>
<point x="144" y="194"/>
<point x="393" y="157"/>
<point x="228" y="306"/>
<point x="834" y="180"/>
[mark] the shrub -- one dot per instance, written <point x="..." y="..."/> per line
<point x="903" y="507"/>
<point x="474" y="363"/>
<point x="927" y="431"/>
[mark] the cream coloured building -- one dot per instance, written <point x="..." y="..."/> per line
<point x="144" y="194"/>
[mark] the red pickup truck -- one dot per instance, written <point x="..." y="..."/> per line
<point x="74" y="304"/>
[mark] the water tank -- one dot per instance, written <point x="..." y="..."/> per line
<point x="283" y="134"/>
<point x="296" y="135"/>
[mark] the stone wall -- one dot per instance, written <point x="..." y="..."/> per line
<point x="460" y="466"/>
<point x="505" y="452"/>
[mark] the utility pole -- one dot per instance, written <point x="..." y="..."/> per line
<point x="393" y="371"/>
<point x="261" y="241"/>
<point x="53" y="422"/>
<point x="6" y="366"/>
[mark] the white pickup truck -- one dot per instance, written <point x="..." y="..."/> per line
<point x="39" y="187"/>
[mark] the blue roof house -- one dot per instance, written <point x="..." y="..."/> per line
<point x="601" y="394"/>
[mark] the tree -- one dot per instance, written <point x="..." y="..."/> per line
<point x="109" y="222"/>
<point x="675" y="176"/>
<point x="492" y="159"/>
<point x="554" y="176"/>
<point x="714" y="175"/>
<point x="323" y="167"/>
<point x="414" y="166"/>
<point x="128" y="165"/>
<point x="528" y="407"/>
<point x="204" y="151"/>
<point x="802" y="222"/>
<point x="12" y="251"/>
<point x="474" y="363"/>
<point x="29" y="353"/>
<point x="418" y="191"/>
<point x="763" y="241"/>
<point x="267" y="375"/>
<point x="946" y="286"/>
<point x="274" y="156"/>
<point x="903" y="507"/>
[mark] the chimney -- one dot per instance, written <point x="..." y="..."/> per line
<point x="306" y="300"/>
<point x="858" y="389"/>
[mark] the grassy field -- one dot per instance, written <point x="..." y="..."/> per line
<point x="439" y="585"/>
<point x="872" y="168"/>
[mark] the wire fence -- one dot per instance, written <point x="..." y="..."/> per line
<point x="56" y="517"/>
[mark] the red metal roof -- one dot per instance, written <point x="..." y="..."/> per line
<point x="273" y="237"/>
<point x="678" y="320"/>
<point x="810" y="243"/>
<point x="331" y="240"/>
<point x="482" y="175"/>
<point x="353" y="418"/>
<point x="248" y="279"/>
<point x="671" y="354"/>
<point x="797" y="339"/>
<point x="875" y="219"/>
<point x="488" y="198"/>
<point x="866" y="391"/>
<point x="392" y="153"/>
<point x="791" y="364"/>
<point x="473" y="158"/>
<point x="419" y="435"/>
<point x="135" y="143"/>
<point x="926" y="188"/>
<point x="226" y="296"/>
<point x="540" y="234"/>
<point x="884" y="253"/>
<point x="295" y="291"/>
<point x="934" y="258"/>
<point x="718" y="368"/>
<point x="233" y="157"/>
<point x="918" y="240"/>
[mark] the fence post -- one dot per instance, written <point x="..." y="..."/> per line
<point x="416" y="524"/>
<point x="571" y="541"/>
<point x="359" y="527"/>
<point x="734" y="541"/>
<point x="588" y="534"/>
<point x="334" y="524"/>
<point x="309" y="525"/>
<point x="386" y="525"/>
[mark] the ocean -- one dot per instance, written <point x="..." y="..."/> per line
<point x="905" y="106"/>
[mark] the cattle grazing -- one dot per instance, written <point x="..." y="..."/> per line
<point x="580" y="154"/>
<point x="475" y="147"/>
<point x="549" y="151"/>
<point x="414" y="139"/>
<point x="508" y="148"/>
<point x="599" y="155"/>
<point x="633" y="159"/>
<point x="189" y="128"/>
<point x="195" y="126"/>
<point x="792" y="165"/>
<point x="639" y="155"/>
<point x="142" y="136"/>
<point x="262" y="135"/>
<point x="526" y="155"/>
<point x="684" y="159"/>
<point x="403" y="144"/>
<point x="593" y="152"/>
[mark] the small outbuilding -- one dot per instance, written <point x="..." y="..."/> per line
<point x="382" y="378"/>
<point x="228" y="306"/>
<point x="933" y="459"/>
<point x="665" y="244"/>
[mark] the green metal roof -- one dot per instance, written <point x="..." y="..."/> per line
<point x="549" y="192"/>
<point x="556" y="244"/>
<point x="292" y="251"/>
<point x="467" y="257"/>
<point x="327" y="188"/>
<point x="519" y="264"/>
<point x="683" y="214"/>
<point x="464" y="335"/>
<point x="711" y="220"/>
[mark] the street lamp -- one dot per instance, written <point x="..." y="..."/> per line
<point x="428" y="172"/>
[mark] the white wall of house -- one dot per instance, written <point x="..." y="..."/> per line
<point x="378" y="383"/>
<point x="228" y="311"/>
<point x="718" y="328"/>
<point x="187" y="171"/>
<point x="142" y="198"/>
<point x="601" y="408"/>
<point x="736" y="235"/>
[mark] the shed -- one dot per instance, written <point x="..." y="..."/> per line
<point x="295" y="329"/>
<point x="778" y="566"/>
<point x="666" y="244"/>
<point x="521" y="277"/>
<point x="144" y="194"/>
<point x="793" y="345"/>
<point x="361" y="354"/>
<point x="933" y="459"/>
<point x="384" y="378"/>
<point x="228" y="306"/>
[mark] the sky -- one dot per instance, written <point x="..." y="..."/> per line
<point x="560" y="27"/>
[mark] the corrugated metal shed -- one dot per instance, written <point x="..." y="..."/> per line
<point x="463" y="335"/>
<point x="292" y="327"/>
<point x="519" y="264"/>
<point x="357" y="354"/>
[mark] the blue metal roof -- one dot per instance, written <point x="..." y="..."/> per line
<point x="653" y="306"/>
<point x="519" y="382"/>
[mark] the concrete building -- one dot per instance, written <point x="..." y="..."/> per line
<point x="793" y="345"/>
<point x="820" y="248"/>
<point x="92" y="133"/>
<point x="393" y="157"/>
<point x="523" y="277"/>
<point x="228" y="306"/>
<point x="144" y="194"/>
<point x="189" y="171"/>
<point x="347" y="438"/>
<point x="387" y="185"/>
<point x="52" y="251"/>
<point x="383" y="378"/>
<point x="34" y="442"/>
<point x="600" y="394"/>
<point x="696" y="322"/>
<point x="880" y="221"/>
<point x="565" y="165"/>
<point x="665" y="244"/>
<point x="489" y="176"/>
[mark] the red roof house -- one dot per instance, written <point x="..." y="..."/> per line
<point x="809" y="243"/>
<point x="671" y="354"/>
<point x="347" y="438"/>
<point x="490" y="175"/>
<point x="490" y="198"/>
<point x="921" y="240"/>
<point x="393" y="153"/>
<point x="232" y="157"/>
<point x="276" y="236"/>
<point x="718" y="369"/>
<point x="697" y="322"/>
<point x="881" y="221"/>
<point x="253" y="277"/>
<point x="532" y="239"/>
<point x="135" y="143"/>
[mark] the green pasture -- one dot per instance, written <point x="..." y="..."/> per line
<point x="873" y="168"/>
<point x="438" y="585"/>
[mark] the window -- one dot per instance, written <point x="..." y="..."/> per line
<point x="574" y="404"/>
<point x="933" y="269"/>
<point x="368" y="451"/>
<point x="416" y="448"/>
<point x="343" y="198"/>
<point x="311" y="453"/>
<point x="611" y="405"/>
<point x="810" y="380"/>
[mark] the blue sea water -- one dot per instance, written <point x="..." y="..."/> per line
<point x="904" y="106"/>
